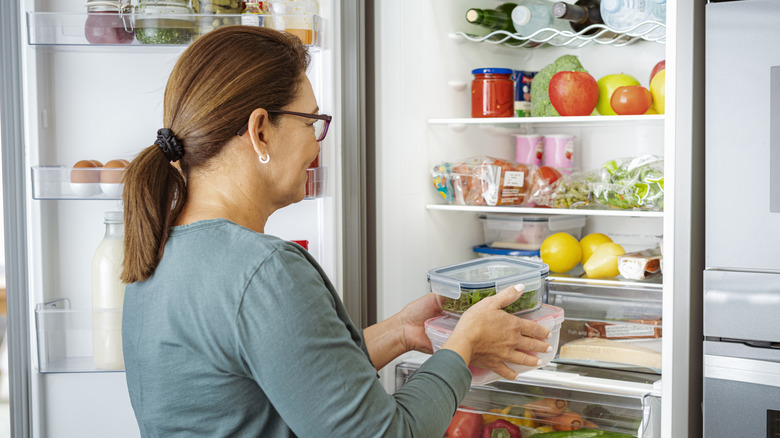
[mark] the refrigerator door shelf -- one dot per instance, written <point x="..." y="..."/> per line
<point x="68" y="29"/>
<point x="523" y="125"/>
<point x="60" y="182"/>
<point x="535" y="402"/>
<point x="66" y="336"/>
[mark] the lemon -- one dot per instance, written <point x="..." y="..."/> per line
<point x="561" y="252"/>
<point x="590" y="242"/>
<point x="604" y="261"/>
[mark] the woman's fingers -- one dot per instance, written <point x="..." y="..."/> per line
<point x="504" y="371"/>
<point x="508" y="296"/>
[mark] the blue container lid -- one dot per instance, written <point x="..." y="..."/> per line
<point x="498" y="71"/>
<point x="484" y="249"/>
<point x="497" y="272"/>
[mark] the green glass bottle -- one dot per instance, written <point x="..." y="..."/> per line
<point x="499" y="18"/>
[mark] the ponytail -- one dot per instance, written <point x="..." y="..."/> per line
<point x="154" y="194"/>
<point x="216" y="83"/>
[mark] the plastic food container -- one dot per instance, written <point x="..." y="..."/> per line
<point x="527" y="231"/>
<point x="462" y="285"/>
<point x="440" y="328"/>
<point x="486" y="251"/>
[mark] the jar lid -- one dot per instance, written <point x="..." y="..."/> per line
<point x="498" y="71"/>
<point x="164" y="7"/>
<point x="120" y="6"/>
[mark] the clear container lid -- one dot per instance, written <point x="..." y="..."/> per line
<point x="499" y="272"/>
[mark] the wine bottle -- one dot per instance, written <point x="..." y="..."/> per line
<point x="499" y="18"/>
<point x="580" y="15"/>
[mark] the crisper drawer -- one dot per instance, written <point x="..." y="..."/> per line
<point x="78" y="340"/>
<point x="609" y="323"/>
<point x="565" y="402"/>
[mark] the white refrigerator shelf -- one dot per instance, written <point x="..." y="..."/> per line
<point x="70" y="29"/>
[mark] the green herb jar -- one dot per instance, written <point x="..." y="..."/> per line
<point x="164" y="22"/>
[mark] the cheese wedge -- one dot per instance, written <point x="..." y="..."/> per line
<point x="604" y="350"/>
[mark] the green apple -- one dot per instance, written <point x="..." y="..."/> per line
<point x="607" y="85"/>
<point x="658" y="90"/>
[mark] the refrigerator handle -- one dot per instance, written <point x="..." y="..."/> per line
<point x="774" y="139"/>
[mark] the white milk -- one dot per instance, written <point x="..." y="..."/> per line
<point x="108" y="294"/>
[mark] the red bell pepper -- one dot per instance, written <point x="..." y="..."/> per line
<point x="501" y="429"/>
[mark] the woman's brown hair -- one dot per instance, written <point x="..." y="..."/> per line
<point x="216" y="83"/>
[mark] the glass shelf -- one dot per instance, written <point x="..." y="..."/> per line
<point x="69" y="29"/>
<point x="525" y="123"/>
<point x="531" y="210"/>
<point x="65" y="337"/>
<point x="594" y="34"/>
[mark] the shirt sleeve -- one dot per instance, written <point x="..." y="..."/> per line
<point x="317" y="374"/>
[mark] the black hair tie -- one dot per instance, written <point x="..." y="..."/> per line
<point x="170" y="145"/>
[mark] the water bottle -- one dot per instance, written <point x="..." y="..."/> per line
<point x="532" y="15"/>
<point x="622" y="15"/>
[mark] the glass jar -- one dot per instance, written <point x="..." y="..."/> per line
<point x="492" y="92"/>
<point x="164" y="22"/>
<point x="109" y="22"/>
<point x="108" y="294"/>
<point x="296" y="17"/>
<point x="217" y="13"/>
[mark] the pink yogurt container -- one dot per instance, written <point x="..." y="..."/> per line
<point x="559" y="152"/>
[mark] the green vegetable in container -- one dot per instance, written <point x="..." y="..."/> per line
<point x="170" y="35"/>
<point x="540" y="96"/>
<point x="470" y="297"/>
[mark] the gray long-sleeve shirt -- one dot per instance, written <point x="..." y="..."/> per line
<point x="239" y="333"/>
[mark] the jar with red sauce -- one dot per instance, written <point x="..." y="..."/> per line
<point x="492" y="93"/>
<point x="109" y="22"/>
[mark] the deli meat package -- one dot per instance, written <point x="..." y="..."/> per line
<point x="483" y="180"/>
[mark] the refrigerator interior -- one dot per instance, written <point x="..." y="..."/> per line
<point x="88" y="102"/>
<point x="423" y="106"/>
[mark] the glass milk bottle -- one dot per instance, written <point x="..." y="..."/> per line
<point x="108" y="294"/>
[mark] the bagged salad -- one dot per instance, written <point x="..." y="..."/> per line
<point x="630" y="183"/>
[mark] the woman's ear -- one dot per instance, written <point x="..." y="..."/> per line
<point x="259" y="130"/>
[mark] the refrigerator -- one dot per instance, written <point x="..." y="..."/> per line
<point x="742" y="276"/>
<point x="396" y="77"/>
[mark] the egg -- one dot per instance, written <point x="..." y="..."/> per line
<point x="85" y="178"/>
<point x="111" y="177"/>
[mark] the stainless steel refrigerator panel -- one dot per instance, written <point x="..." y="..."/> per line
<point x="742" y="138"/>
<point x="741" y="398"/>
<point x="742" y="305"/>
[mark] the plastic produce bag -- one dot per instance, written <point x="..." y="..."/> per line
<point x="483" y="180"/>
<point x="569" y="191"/>
<point x="631" y="183"/>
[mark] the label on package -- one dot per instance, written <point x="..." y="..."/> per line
<point x="514" y="179"/>
<point x="629" y="331"/>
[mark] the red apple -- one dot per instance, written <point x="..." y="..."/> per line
<point x="573" y="93"/>
<point x="658" y="67"/>
<point x="631" y="100"/>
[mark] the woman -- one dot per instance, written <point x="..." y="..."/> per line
<point x="228" y="331"/>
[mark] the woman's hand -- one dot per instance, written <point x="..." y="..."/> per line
<point x="413" y="318"/>
<point x="487" y="336"/>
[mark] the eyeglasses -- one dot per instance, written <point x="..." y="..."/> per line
<point x="321" y="124"/>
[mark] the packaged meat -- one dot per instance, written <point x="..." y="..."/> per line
<point x="640" y="264"/>
<point x="483" y="181"/>
<point x="629" y="330"/>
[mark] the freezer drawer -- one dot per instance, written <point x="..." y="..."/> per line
<point x="609" y="324"/>
<point x="536" y="404"/>
<point x="741" y="397"/>
<point x="741" y="305"/>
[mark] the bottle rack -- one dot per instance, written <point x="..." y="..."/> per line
<point x="594" y="34"/>
<point x="68" y="29"/>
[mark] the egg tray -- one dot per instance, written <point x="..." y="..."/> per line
<point x="61" y="182"/>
